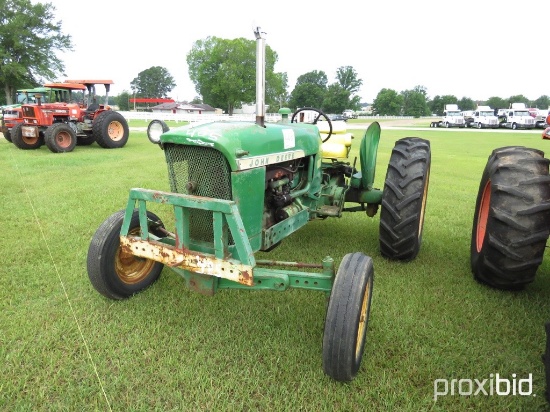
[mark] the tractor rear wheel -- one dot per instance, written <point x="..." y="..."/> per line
<point x="511" y="220"/>
<point x="113" y="272"/>
<point x="24" y="142"/>
<point x="110" y="130"/>
<point x="348" y="317"/>
<point x="60" y="138"/>
<point x="404" y="199"/>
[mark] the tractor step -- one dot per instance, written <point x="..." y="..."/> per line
<point x="329" y="211"/>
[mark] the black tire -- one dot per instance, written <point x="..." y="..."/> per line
<point x="7" y="135"/>
<point x="22" y="142"/>
<point x="114" y="273"/>
<point x="86" y="140"/>
<point x="447" y="125"/>
<point x="404" y="199"/>
<point x="110" y="130"/>
<point x="60" y="138"/>
<point x="347" y="317"/>
<point x="479" y="125"/>
<point x="514" y="126"/>
<point x="510" y="225"/>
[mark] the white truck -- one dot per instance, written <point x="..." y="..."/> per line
<point x="349" y="114"/>
<point x="516" y="117"/>
<point x="540" y="118"/>
<point x="452" y="117"/>
<point x="482" y="117"/>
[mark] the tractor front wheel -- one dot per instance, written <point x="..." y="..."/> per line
<point x="60" y="138"/>
<point x="114" y="272"/>
<point x="7" y="134"/>
<point x="404" y="199"/>
<point x="348" y="317"/>
<point x="110" y="130"/>
<point x="511" y="219"/>
<point x="25" y="142"/>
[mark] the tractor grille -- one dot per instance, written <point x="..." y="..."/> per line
<point x="199" y="171"/>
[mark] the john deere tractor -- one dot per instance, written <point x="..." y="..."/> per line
<point x="242" y="187"/>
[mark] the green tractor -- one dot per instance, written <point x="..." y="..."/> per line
<point x="242" y="187"/>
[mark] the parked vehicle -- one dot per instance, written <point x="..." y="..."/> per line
<point x="516" y="117"/>
<point x="452" y="117"/>
<point x="63" y="125"/>
<point x="12" y="114"/>
<point x="541" y="116"/>
<point x="337" y="117"/>
<point x="242" y="187"/>
<point x="482" y="117"/>
<point x="349" y="114"/>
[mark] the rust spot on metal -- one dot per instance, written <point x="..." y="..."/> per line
<point x="245" y="277"/>
<point x="193" y="261"/>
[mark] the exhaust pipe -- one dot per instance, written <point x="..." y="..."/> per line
<point x="260" y="77"/>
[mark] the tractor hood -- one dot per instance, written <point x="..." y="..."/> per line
<point x="247" y="145"/>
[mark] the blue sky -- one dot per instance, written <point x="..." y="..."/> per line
<point x="475" y="49"/>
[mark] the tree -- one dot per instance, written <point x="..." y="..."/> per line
<point x="347" y="78"/>
<point x="520" y="98"/>
<point x="336" y="99"/>
<point x="437" y="104"/>
<point x="387" y="103"/>
<point x="224" y="72"/>
<point x="466" y="104"/>
<point x="276" y="92"/>
<point x="123" y="101"/>
<point x="543" y="102"/>
<point x="29" y="39"/>
<point x="309" y="91"/>
<point x="497" y="103"/>
<point x="155" y="81"/>
<point x="318" y="78"/>
<point x="414" y="102"/>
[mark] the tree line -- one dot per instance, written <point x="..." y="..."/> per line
<point x="415" y="102"/>
<point x="222" y="71"/>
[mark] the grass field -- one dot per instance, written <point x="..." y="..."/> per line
<point x="64" y="347"/>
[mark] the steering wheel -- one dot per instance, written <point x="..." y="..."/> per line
<point x="320" y="114"/>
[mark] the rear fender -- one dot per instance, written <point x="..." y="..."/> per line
<point x="367" y="155"/>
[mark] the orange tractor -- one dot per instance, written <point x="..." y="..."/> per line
<point x="546" y="133"/>
<point x="65" y="124"/>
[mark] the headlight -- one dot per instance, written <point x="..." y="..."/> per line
<point x="155" y="129"/>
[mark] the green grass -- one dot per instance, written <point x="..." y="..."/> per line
<point x="65" y="347"/>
